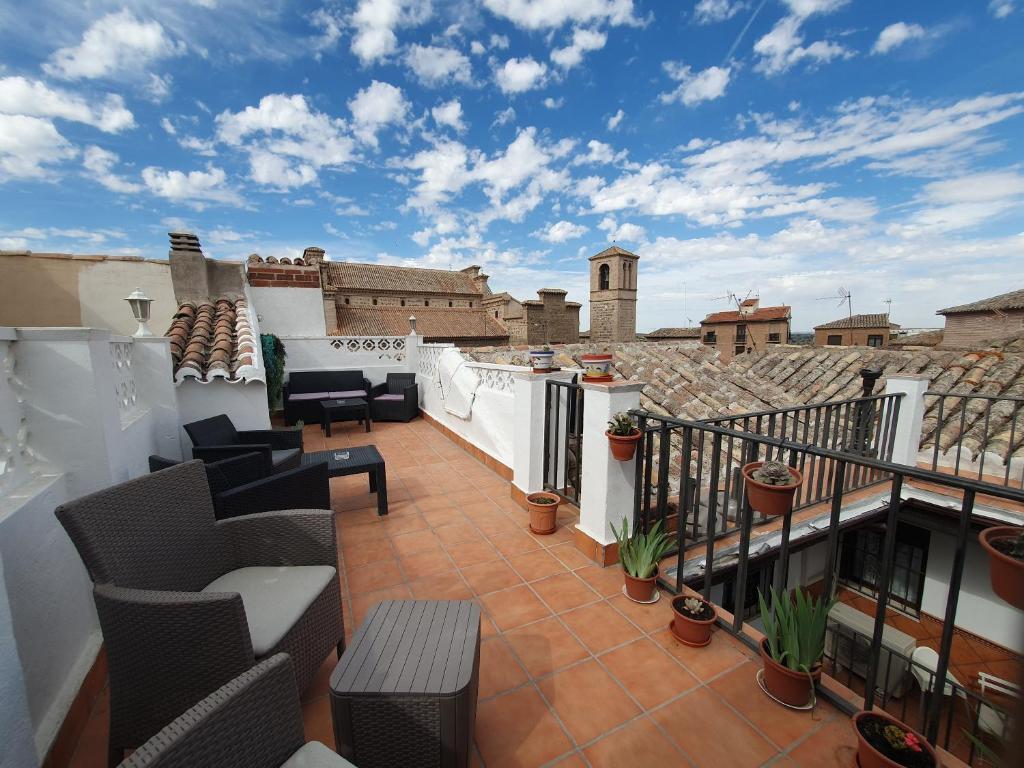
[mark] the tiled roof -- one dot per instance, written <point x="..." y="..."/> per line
<point x="1011" y="300"/>
<point x="674" y="333"/>
<point x="860" y="321"/>
<point x="341" y="276"/>
<point x="923" y="339"/>
<point x="431" y="322"/>
<point x="613" y="251"/>
<point x="214" y="341"/>
<point x="758" y="315"/>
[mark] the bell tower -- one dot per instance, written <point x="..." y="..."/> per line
<point x="613" y="296"/>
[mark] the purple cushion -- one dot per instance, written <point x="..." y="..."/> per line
<point x="348" y="393"/>
<point x="309" y="396"/>
<point x="390" y="397"/>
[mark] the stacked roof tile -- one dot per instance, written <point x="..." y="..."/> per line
<point x="213" y="340"/>
<point x="860" y="321"/>
<point x="1011" y="300"/>
<point x="756" y="316"/>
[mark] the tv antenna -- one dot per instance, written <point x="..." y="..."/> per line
<point x="732" y="298"/>
<point x="845" y="297"/>
<point x="888" y="306"/>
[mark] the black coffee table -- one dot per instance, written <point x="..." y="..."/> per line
<point x="361" y="458"/>
<point x="349" y="409"/>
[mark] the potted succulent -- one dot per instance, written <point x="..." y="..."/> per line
<point x="885" y="742"/>
<point x="623" y="435"/>
<point x="596" y="367"/>
<point x="1005" y="547"/>
<point x="794" y="640"/>
<point x="771" y="486"/>
<point x="692" y="619"/>
<point x="543" y="512"/>
<point x="541" y="359"/>
<point x="639" y="555"/>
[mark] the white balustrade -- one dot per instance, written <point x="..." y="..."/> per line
<point x="125" y="389"/>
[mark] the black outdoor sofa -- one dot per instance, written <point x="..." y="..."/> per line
<point x="304" y="390"/>
<point x="397" y="399"/>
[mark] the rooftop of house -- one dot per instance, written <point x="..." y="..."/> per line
<point x="878" y="320"/>
<point x="1011" y="300"/>
<point x="762" y="314"/>
<point x="342" y="276"/>
<point x="213" y="340"/>
<point x="450" y="323"/>
<point x="673" y="333"/>
<point x="922" y="339"/>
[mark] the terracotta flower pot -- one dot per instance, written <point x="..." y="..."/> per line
<point x="543" y="515"/>
<point x="688" y="630"/>
<point x="596" y="368"/>
<point x="541" y="360"/>
<point x="640" y="590"/>
<point x="869" y="757"/>
<point x="1006" y="572"/>
<point x="771" y="500"/>
<point x="785" y="684"/>
<point x="623" y="446"/>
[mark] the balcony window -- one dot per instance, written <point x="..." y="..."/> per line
<point x="874" y="340"/>
<point x="710" y="338"/>
<point x="861" y="563"/>
<point x="835" y="340"/>
<point x="741" y="333"/>
<point x="774" y="338"/>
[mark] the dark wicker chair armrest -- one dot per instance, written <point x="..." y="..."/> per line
<point x="366" y="385"/>
<point x="237" y="470"/>
<point x="412" y="393"/>
<point x="254" y="721"/>
<point x="379" y="389"/>
<point x="303" y="488"/>
<point x="289" y="537"/>
<point x="279" y="439"/>
<point x="211" y="453"/>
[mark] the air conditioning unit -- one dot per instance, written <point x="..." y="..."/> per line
<point x="848" y="643"/>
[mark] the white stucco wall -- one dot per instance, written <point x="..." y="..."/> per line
<point x="103" y="285"/>
<point x="15" y="721"/>
<point x="290" y="311"/>
<point x="245" y="404"/>
<point x="332" y="353"/>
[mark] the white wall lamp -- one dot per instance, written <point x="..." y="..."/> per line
<point x="140" y="305"/>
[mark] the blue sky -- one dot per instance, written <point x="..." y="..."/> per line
<point x="784" y="148"/>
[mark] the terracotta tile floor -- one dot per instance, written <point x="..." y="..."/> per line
<point x="572" y="674"/>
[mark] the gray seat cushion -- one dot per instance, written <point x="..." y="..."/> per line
<point x="348" y="393"/>
<point x="275" y="598"/>
<point x="285" y="456"/>
<point x="308" y="396"/>
<point x="395" y="398"/>
<point x="313" y="754"/>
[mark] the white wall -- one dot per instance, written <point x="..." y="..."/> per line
<point x="978" y="609"/>
<point x="103" y="285"/>
<point x="245" y="404"/>
<point x="15" y="722"/>
<point x="290" y="311"/>
<point x="375" y="356"/>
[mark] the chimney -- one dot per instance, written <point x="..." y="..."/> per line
<point x="188" y="268"/>
<point x="472" y="271"/>
<point x="749" y="306"/>
<point x="480" y="284"/>
<point x="313" y="256"/>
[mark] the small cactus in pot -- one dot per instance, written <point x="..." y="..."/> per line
<point x="771" y="486"/>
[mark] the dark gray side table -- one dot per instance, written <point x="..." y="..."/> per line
<point x="361" y="458"/>
<point x="348" y="409"/>
<point x="404" y="692"/>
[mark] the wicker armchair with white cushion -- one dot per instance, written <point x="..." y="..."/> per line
<point x="187" y="602"/>
<point x="397" y="399"/>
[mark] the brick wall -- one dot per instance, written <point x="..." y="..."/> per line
<point x="388" y="300"/>
<point x="850" y="337"/>
<point x="972" y="329"/>
<point x="283" y="276"/>
<point x="756" y="339"/>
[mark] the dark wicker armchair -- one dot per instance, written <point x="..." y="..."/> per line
<point x="397" y="399"/>
<point x="254" y="721"/>
<point x="239" y="486"/>
<point x="187" y="602"/>
<point x="216" y="438"/>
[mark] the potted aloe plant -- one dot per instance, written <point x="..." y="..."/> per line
<point x="639" y="555"/>
<point x="794" y="640"/>
<point x="692" y="619"/>
<point x="1005" y="547"/>
<point x="543" y="512"/>
<point x="623" y="435"/>
<point x="885" y="742"/>
<point x="771" y="486"/>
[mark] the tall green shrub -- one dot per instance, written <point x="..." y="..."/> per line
<point x="273" y="359"/>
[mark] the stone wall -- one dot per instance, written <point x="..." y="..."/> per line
<point x="972" y="329"/>
<point x="283" y="276"/>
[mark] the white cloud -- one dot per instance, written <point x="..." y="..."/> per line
<point x="285" y="126"/>
<point x="28" y="145"/>
<point x="713" y="11"/>
<point x="519" y="75"/>
<point x="895" y="35"/>
<point x="805" y="8"/>
<point x="615" y="120"/>
<point x="477" y="48"/>
<point x="279" y="172"/>
<point x="625" y="232"/>
<point x="782" y="47"/>
<point x="204" y="147"/>
<point x="1001" y="8"/>
<point x="434" y="66"/>
<point x="561" y="231"/>
<point x="32" y="98"/>
<point x="377" y="105"/>
<point x="115" y="45"/>
<point x="583" y="41"/>
<point x="693" y="88"/>
<point x="552" y="103"/>
<point x="449" y="114"/>
<point x="158" y="88"/>
<point x="504" y="117"/>
<point x="600" y="153"/>
<point x="375" y="22"/>
<point x="100" y="163"/>
<point x="331" y="27"/>
<point x="195" y="189"/>
<point x="168" y="126"/>
<point x="499" y="42"/>
<point x="962" y="203"/>
<point x="546" y="14"/>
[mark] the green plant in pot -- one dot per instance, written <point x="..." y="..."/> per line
<point x="1004" y="545"/>
<point x="543" y="512"/>
<point x="771" y="486"/>
<point x="794" y="641"/>
<point x="885" y="742"/>
<point x="623" y="435"/>
<point x="692" y="620"/>
<point x="639" y="555"/>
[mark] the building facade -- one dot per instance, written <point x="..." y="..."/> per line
<point x="856" y="331"/>
<point x="673" y="335"/>
<point x="970" y="325"/>
<point x="613" y="283"/>
<point x="750" y="328"/>
<point x="550" y="319"/>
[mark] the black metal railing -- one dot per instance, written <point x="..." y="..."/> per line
<point x="708" y="497"/>
<point x="679" y="446"/>
<point x="563" y="439"/>
<point x="975" y="435"/>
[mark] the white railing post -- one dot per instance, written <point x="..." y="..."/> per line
<point x="412" y="352"/>
<point x="907" y="442"/>
<point x="529" y="391"/>
<point x="606" y="485"/>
